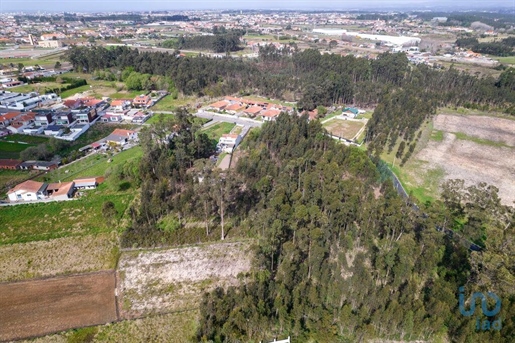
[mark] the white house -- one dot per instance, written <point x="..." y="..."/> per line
<point x="228" y="142"/>
<point x="28" y="191"/>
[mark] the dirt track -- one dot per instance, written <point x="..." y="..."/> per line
<point x="472" y="161"/>
<point x="38" y="307"/>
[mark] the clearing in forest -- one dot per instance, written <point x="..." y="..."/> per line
<point x="473" y="148"/>
<point x="347" y="129"/>
<point x="175" y="279"/>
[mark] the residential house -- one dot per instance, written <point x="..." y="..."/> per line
<point x="121" y="136"/>
<point x="228" y="142"/>
<point x="64" y="118"/>
<point x="142" y="101"/>
<point x="219" y="105"/>
<point x="43" y="118"/>
<point x="120" y="105"/>
<point x="350" y="112"/>
<point x="88" y="182"/>
<point x="8" y="118"/>
<point x="94" y="103"/>
<point x="253" y="111"/>
<point x="28" y="191"/>
<point x="21" y="123"/>
<point x="234" y="108"/>
<point x="39" y="165"/>
<point x="10" y="164"/>
<point x="73" y="104"/>
<point x="85" y="116"/>
<point x="269" y="115"/>
<point x="60" y="191"/>
<point x="53" y="130"/>
<point x="110" y="117"/>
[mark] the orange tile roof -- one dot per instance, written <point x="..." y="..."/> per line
<point x="234" y="107"/>
<point x="254" y="109"/>
<point x="122" y="132"/>
<point x="10" y="115"/>
<point x="60" y="188"/>
<point x="219" y="104"/>
<point x="270" y="113"/>
<point x="29" y="186"/>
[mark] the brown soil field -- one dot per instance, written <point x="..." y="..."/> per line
<point x="175" y="279"/>
<point x="486" y="154"/>
<point x="343" y="128"/>
<point x="39" y="307"/>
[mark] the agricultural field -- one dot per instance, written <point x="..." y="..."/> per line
<point x="61" y="256"/>
<point x="475" y="148"/>
<point x="93" y="165"/>
<point x="168" y="103"/>
<point x="174" y="279"/>
<point x="38" y="307"/>
<point x="10" y="150"/>
<point x="50" y="220"/>
<point x="176" y="327"/>
<point x="347" y="129"/>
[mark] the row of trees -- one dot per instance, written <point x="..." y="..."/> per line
<point x="503" y="47"/>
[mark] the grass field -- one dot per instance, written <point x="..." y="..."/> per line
<point x="177" y="327"/>
<point x="12" y="150"/>
<point x="94" y="165"/>
<point x="25" y="139"/>
<point x="168" y="103"/>
<point x="45" y="221"/>
<point x="343" y="128"/>
<point x="39" y="307"/>
<point x="505" y="60"/>
<point x="74" y="91"/>
<point x="61" y="256"/>
<point x="159" y="117"/>
<point x="126" y="94"/>
<point x="216" y="131"/>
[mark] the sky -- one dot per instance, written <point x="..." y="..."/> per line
<point x="156" y="5"/>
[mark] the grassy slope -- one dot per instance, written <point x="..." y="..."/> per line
<point x="12" y="150"/>
<point x="44" y="221"/>
<point x="217" y="130"/>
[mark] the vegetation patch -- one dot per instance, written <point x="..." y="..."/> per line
<point x="214" y="132"/>
<point x="12" y="150"/>
<point x="68" y="255"/>
<point x="45" y="221"/>
<point x="174" y="279"/>
<point x="464" y="136"/>
<point x="437" y="135"/>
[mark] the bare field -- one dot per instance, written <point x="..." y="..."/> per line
<point x="33" y="308"/>
<point x="69" y="255"/>
<point x="171" y="328"/>
<point x="175" y="279"/>
<point x="475" y="149"/>
<point x="347" y="129"/>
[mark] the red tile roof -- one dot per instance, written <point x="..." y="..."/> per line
<point x="29" y="186"/>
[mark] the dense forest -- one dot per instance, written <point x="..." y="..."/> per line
<point x="339" y="256"/>
<point x="224" y="41"/>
